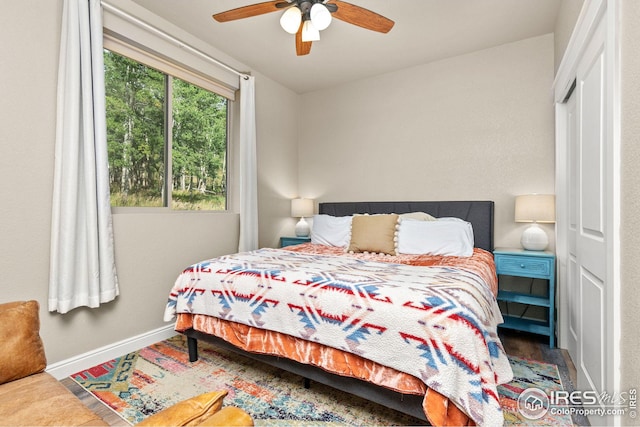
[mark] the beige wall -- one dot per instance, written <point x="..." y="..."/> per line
<point x="29" y="33"/>
<point x="277" y="147"/>
<point x="151" y="249"/>
<point x="630" y="197"/>
<point x="478" y="126"/>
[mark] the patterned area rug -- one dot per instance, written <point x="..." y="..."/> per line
<point x="144" y="382"/>
<point x="529" y="374"/>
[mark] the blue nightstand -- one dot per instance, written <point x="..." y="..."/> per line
<point x="535" y="265"/>
<point x="288" y="241"/>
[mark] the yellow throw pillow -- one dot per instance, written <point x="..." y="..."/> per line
<point x="374" y="233"/>
<point x="189" y="412"/>
<point x="229" y="416"/>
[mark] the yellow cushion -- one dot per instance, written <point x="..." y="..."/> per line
<point x="190" y="412"/>
<point x="229" y="416"/>
<point x="417" y="216"/>
<point x="374" y="233"/>
<point x="21" y="349"/>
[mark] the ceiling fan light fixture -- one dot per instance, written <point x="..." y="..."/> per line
<point x="309" y="32"/>
<point x="291" y="19"/>
<point x="320" y="16"/>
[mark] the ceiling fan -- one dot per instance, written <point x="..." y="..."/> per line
<point x="306" y="18"/>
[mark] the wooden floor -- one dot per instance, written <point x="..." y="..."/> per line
<point x="536" y="347"/>
<point x="516" y="343"/>
<point x="107" y="414"/>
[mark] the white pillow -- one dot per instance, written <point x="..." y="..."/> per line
<point x="450" y="218"/>
<point x="331" y="230"/>
<point x="447" y="236"/>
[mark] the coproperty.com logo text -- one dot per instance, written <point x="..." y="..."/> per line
<point x="534" y="403"/>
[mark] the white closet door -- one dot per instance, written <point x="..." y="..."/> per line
<point x="590" y="276"/>
<point x="588" y="189"/>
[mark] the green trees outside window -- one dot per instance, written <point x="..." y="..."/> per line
<point x="140" y="101"/>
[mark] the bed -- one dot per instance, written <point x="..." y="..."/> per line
<point x="331" y="316"/>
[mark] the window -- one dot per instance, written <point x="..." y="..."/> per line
<point x="167" y="139"/>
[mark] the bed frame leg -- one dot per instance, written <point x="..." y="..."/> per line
<point x="307" y="383"/>
<point x="192" y="344"/>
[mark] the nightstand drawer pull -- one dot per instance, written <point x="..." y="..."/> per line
<point x="522" y="265"/>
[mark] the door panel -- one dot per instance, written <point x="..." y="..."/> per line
<point x="590" y="234"/>
<point x="593" y="342"/>
<point x="573" y="304"/>
<point x="591" y="145"/>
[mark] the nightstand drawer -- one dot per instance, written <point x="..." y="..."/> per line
<point x="521" y="266"/>
<point x="289" y="241"/>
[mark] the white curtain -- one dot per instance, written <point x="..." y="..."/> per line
<point x="248" y="167"/>
<point x="82" y="264"/>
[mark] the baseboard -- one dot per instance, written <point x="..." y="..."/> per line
<point x="87" y="360"/>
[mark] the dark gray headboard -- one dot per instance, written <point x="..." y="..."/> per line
<point x="478" y="213"/>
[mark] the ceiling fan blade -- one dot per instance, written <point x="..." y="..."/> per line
<point x="361" y="17"/>
<point x="302" y="48"/>
<point x="247" y="11"/>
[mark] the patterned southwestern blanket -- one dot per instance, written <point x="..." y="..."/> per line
<point x="435" y="323"/>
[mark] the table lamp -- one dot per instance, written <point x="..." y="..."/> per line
<point x="536" y="209"/>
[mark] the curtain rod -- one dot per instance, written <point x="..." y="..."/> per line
<point x="172" y="39"/>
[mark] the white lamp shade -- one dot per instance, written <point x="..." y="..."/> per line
<point x="291" y="19"/>
<point x="536" y="208"/>
<point x="301" y="208"/>
<point x="309" y="32"/>
<point x="320" y="16"/>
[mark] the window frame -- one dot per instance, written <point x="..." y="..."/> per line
<point x="173" y="69"/>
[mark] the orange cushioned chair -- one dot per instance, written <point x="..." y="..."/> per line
<point x="29" y="396"/>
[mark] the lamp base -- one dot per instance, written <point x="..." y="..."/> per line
<point x="302" y="228"/>
<point x="534" y="238"/>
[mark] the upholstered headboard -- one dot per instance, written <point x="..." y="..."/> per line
<point x="478" y="213"/>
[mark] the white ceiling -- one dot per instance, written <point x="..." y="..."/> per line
<point x="424" y="31"/>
